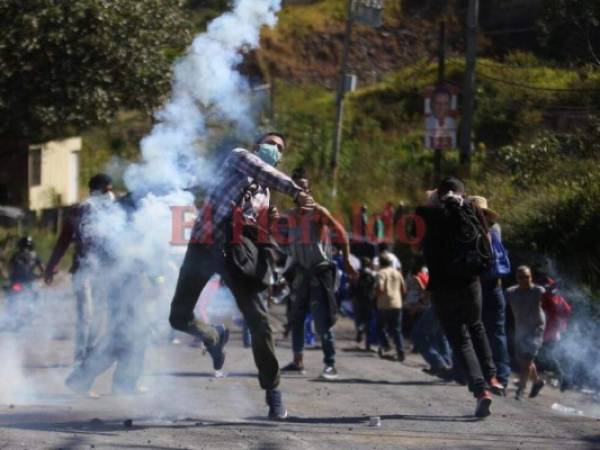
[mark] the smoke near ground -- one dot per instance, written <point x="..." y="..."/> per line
<point x="135" y="240"/>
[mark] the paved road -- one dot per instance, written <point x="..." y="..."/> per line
<point x="187" y="408"/>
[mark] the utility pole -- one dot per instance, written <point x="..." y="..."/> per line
<point x="337" y="138"/>
<point x="437" y="156"/>
<point x="469" y="86"/>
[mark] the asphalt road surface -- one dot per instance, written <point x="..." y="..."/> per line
<point x="187" y="408"/>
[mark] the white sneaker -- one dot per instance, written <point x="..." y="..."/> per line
<point x="329" y="373"/>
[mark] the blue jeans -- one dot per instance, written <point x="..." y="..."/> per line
<point x="430" y="341"/>
<point x="316" y="303"/>
<point x="309" y="335"/>
<point x="494" y="321"/>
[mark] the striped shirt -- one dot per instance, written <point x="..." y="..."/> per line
<point x="242" y="174"/>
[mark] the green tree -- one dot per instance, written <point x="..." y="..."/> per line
<point x="66" y="65"/>
<point x="571" y="30"/>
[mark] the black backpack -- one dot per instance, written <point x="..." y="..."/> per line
<point x="468" y="250"/>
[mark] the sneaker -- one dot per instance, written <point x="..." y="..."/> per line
<point x="536" y="388"/>
<point x="484" y="402"/>
<point x="519" y="394"/>
<point x="276" y="409"/>
<point x="359" y="337"/>
<point x="444" y="373"/>
<point x="293" y="367"/>
<point x="400" y="356"/>
<point x="74" y="383"/>
<point x="329" y="373"/>
<point x="381" y="351"/>
<point x="216" y="350"/>
<point x="496" y="387"/>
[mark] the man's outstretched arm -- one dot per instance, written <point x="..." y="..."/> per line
<point x="341" y="235"/>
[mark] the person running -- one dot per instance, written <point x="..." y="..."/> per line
<point x="313" y="286"/>
<point x="525" y="300"/>
<point x="390" y="290"/>
<point x="417" y="298"/>
<point x="90" y="290"/>
<point x="128" y="325"/>
<point x="456" y="233"/>
<point x="557" y="311"/>
<point x="243" y="181"/>
<point x="364" y="303"/>
<point x="493" y="301"/>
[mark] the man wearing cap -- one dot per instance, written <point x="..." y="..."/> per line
<point x="494" y="304"/>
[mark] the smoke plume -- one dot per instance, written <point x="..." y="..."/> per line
<point x="206" y="86"/>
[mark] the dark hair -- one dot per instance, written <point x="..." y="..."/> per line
<point x="384" y="261"/>
<point x="440" y="90"/>
<point x="383" y="247"/>
<point x="450" y="184"/>
<point x="417" y="267"/>
<point x="272" y="133"/>
<point x="25" y="242"/>
<point x="99" y="182"/>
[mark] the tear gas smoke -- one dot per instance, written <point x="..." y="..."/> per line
<point x="578" y="347"/>
<point x="206" y="85"/>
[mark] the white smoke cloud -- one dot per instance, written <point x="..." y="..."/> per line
<point x="205" y="82"/>
<point x="206" y="85"/>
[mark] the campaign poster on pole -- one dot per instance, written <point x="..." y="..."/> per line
<point x="441" y="117"/>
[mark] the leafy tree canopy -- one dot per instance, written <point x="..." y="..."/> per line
<point x="66" y="65"/>
<point x="571" y="30"/>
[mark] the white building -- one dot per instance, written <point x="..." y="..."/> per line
<point x="53" y="172"/>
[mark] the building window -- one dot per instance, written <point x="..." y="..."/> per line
<point x="35" y="167"/>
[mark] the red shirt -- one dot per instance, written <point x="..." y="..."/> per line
<point x="557" y="312"/>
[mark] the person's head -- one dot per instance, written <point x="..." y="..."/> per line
<point x="449" y="184"/>
<point x="270" y="147"/>
<point x="100" y="184"/>
<point x="417" y="267"/>
<point x="383" y="247"/>
<point x="440" y="103"/>
<point x="385" y="261"/>
<point x="25" y="243"/>
<point x="482" y="203"/>
<point x="366" y="262"/>
<point x="524" y="277"/>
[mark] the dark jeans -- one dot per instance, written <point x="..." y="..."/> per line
<point x="494" y="320"/>
<point x="459" y="312"/>
<point x="200" y="264"/>
<point x="316" y="302"/>
<point x="390" y="321"/>
<point x="430" y="341"/>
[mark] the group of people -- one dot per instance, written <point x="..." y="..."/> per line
<point x="452" y="300"/>
<point x="456" y="306"/>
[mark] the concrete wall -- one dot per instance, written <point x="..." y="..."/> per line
<point x="59" y="174"/>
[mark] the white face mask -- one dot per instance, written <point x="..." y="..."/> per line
<point x="108" y="196"/>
